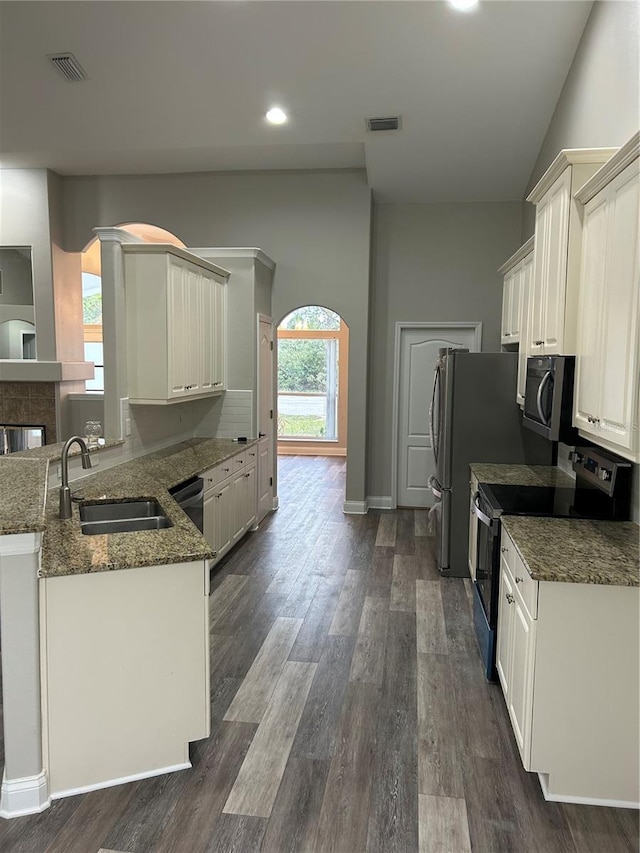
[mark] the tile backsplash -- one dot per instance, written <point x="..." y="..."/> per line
<point x="29" y="404"/>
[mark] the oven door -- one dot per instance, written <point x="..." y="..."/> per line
<point x="487" y="557"/>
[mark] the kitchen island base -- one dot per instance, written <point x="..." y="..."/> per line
<point x="125" y="673"/>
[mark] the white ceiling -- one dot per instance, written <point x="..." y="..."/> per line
<point x="183" y="86"/>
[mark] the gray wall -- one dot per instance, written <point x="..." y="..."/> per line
<point x="431" y="262"/>
<point x="17" y="288"/>
<point x="599" y="106"/>
<point x="314" y="225"/>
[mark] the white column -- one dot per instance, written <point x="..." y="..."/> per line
<point x="114" y="329"/>
<point x="25" y="788"/>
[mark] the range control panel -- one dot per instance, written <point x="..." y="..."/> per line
<point x="598" y="467"/>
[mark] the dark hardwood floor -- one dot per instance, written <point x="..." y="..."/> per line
<point x="349" y="711"/>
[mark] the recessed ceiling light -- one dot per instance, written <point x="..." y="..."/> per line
<point x="276" y="116"/>
<point x="463" y="5"/>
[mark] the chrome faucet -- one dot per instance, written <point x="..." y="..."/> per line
<point x="65" y="491"/>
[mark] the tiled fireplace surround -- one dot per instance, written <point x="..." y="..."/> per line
<point x="29" y="404"/>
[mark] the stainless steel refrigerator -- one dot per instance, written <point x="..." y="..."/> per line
<point x="474" y="418"/>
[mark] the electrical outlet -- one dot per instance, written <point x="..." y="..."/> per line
<point x="127" y="426"/>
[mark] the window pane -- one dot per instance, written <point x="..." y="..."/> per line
<point x="307" y="388"/>
<point x="312" y="317"/>
<point x="91" y="299"/>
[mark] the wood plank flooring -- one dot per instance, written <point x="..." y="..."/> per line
<point x="349" y="711"/>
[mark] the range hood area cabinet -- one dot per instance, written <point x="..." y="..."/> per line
<point x="176" y="321"/>
<point x="607" y="394"/>
<point x="558" y="238"/>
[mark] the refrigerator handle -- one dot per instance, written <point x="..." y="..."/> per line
<point x="478" y="512"/>
<point x="541" y="387"/>
<point x="432" y="430"/>
<point x="436" y="489"/>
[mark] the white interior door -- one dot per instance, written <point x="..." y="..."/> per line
<point x="265" y="417"/>
<point x="417" y="359"/>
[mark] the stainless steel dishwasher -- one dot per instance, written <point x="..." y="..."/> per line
<point x="189" y="496"/>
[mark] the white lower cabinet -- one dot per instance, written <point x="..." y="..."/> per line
<point x="568" y="661"/>
<point x="230" y="501"/>
<point x="125" y="673"/>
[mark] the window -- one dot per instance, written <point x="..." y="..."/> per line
<point x="312" y="352"/>
<point x="92" y="323"/>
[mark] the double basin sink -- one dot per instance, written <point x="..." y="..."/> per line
<point x="122" y="517"/>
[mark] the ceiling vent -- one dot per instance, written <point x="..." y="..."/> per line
<point x="385" y="123"/>
<point x="68" y="66"/>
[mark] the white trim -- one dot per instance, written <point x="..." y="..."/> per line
<point x="629" y="152"/>
<point x="111" y="783"/>
<point x="117" y="235"/>
<point x="20" y="543"/>
<point x="30" y="370"/>
<point x="239" y="252"/>
<point x="582" y="801"/>
<point x="400" y="327"/>
<point x="517" y="256"/>
<point x="355" y="508"/>
<point x="184" y="254"/>
<point x="28" y="795"/>
<point x="380" y="502"/>
<point x="276" y="503"/>
<point x="567" y="157"/>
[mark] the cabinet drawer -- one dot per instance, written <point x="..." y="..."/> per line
<point x="526" y="588"/>
<point x="213" y="476"/>
<point x="238" y="462"/>
<point x="251" y="455"/>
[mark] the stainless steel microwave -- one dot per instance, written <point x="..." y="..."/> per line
<point x="548" y="397"/>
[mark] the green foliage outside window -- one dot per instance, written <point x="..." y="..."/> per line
<point x="92" y="309"/>
<point x="302" y="365"/>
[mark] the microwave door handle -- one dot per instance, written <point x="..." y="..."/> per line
<point x="478" y="512"/>
<point x="541" y="388"/>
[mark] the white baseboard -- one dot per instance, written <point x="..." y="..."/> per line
<point x="276" y="503"/>
<point x="28" y="795"/>
<point x="110" y="783"/>
<point x="380" y="502"/>
<point x="355" y="508"/>
<point x="582" y="801"/>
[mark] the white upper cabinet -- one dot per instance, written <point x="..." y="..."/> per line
<point x="558" y="233"/>
<point x="175" y="316"/>
<point x="606" y="406"/>
<point x="518" y="272"/>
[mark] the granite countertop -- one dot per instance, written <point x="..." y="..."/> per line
<point x="521" y="475"/>
<point x="23" y="492"/>
<point x="571" y="550"/>
<point x="67" y="551"/>
<point x="53" y="452"/>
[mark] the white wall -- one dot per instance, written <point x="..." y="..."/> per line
<point x="24" y="221"/>
<point x="599" y="106"/>
<point x="432" y="262"/>
<point x="315" y="225"/>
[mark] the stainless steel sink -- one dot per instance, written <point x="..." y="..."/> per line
<point x="122" y="517"/>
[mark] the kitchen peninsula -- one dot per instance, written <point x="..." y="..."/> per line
<point x="116" y="625"/>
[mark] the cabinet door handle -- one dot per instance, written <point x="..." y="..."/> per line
<point x="247" y="475"/>
<point x="226" y="470"/>
<point x="519" y="580"/>
<point x="510" y="598"/>
<point x="504" y="549"/>
<point x="239" y="461"/>
<point x="220" y="495"/>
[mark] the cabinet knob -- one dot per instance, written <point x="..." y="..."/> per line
<point x="504" y="549"/>
<point x="226" y="470"/>
<point x="510" y="598"/>
<point x="519" y="580"/>
<point x="220" y="495"/>
<point x="239" y="461"/>
<point x="247" y="475"/>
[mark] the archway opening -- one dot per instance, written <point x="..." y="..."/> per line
<point x="313" y="352"/>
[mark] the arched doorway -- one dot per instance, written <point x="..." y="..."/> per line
<point x="313" y="349"/>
